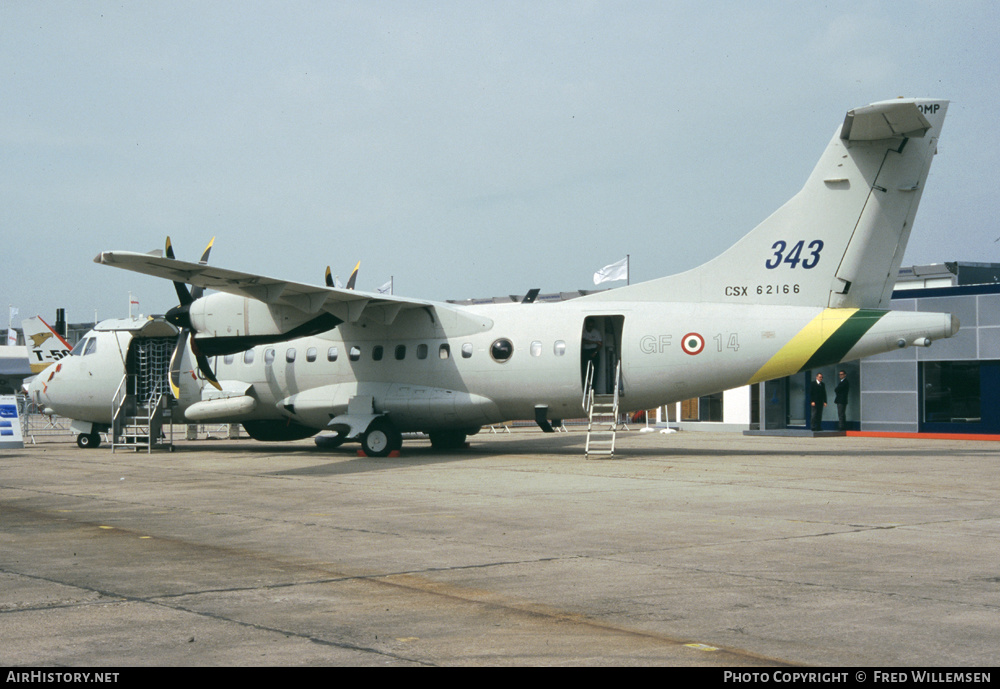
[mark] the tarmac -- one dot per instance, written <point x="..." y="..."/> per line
<point x="687" y="549"/>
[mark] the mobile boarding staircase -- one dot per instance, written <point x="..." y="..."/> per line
<point x="141" y="407"/>
<point x="602" y="415"/>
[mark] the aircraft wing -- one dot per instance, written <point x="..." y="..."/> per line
<point x="347" y="305"/>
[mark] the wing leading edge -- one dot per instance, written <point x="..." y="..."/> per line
<point x="348" y="306"/>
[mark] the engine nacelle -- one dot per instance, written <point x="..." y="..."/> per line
<point x="225" y="323"/>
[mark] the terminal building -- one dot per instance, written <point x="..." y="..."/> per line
<point x="953" y="386"/>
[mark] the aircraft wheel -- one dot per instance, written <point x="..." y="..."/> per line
<point x="381" y="438"/>
<point x="329" y="442"/>
<point x="447" y="440"/>
<point x="89" y="441"/>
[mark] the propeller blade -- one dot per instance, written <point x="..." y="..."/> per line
<point x="203" y="366"/>
<point x="180" y="317"/>
<point x="175" y="363"/>
<point x="329" y="277"/>
<point x="183" y="294"/>
<point x="354" y="276"/>
<point x="204" y="255"/>
<point x="197" y="291"/>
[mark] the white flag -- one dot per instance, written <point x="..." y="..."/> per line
<point x="610" y="273"/>
<point x="386" y="288"/>
<point x="11" y="333"/>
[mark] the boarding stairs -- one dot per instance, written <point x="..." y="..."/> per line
<point x="141" y="408"/>
<point x="602" y="416"/>
<point x="141" y="425"/>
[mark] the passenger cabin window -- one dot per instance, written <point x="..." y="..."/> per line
<point x="421" y="351"/>
<point x="559" y="348"/>
<point x="536" y="348"/>
<point x="290" y="355"/>
<point x="400" y="352"/>
<point x="331" y="354"/>
<point x="269" y="356"/>
<point x="377" y="353"/>
<point x="311" y="354"/>
<point x="444" y="352"/>
<point x="229" y="358"/>
<point x="248" y="357"/>
<point x="355" y="354"/>
<point x="467" y="350"/>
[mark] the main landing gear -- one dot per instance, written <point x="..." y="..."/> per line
<point x="88" y="441"/>
<point x="447" y="440"/>
<point x="381" y="438"/>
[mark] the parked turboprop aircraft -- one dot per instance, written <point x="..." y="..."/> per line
<point x="808" y="287"/>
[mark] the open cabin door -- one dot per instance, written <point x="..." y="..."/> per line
<point x="141" y="406"/>
<point x="147" y="367"/>
<point x="601" y="346"/>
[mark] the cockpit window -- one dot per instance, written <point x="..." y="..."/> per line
<point x="91" y="346"/>
<point x="80" y="346"/>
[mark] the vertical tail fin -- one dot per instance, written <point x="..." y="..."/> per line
<point x="44" y="345"/>
<point x="840" y="240"/>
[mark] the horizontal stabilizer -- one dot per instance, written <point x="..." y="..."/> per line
<point x="884" y="120"/>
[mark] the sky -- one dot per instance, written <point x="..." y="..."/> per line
<point x="464" y="149"/>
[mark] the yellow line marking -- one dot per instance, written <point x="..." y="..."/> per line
<point x="702" y="647"/>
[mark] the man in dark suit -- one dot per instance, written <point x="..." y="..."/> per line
<point x="817" y="399"/>
<point x="840" y="394"/>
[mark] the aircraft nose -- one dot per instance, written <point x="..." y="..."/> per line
<point x="36" y="388"/>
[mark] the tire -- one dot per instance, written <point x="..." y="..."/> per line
<point x="272" y="430"/>
<point x="381" y="438"/>
<point x="329" y="442"/>
<point x="88" y="441"/>
<point x="447" y="440"/>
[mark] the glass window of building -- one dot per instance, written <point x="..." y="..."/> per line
<point x="951" y="392"/>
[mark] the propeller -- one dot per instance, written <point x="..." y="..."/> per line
<point x="180" y="317"/>
<point x="350" y="281"/>
<point x="354" y="276"/>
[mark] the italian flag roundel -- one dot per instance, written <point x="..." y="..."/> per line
<point x="692" y="343"/>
